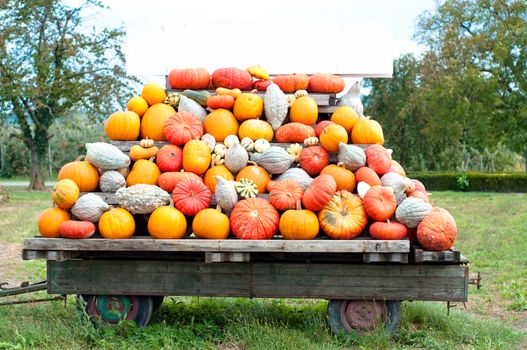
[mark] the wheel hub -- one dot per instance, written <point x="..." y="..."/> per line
<point x="363" y="315"/>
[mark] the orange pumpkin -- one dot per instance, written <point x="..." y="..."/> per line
<point x="326" y="83"/>
<point x="153" y="93"/>
<point x="143" y="172"/>
<point x="365" y="174"/>
<point x="437" y="231"/>
<point x="168" y="181"/>
<point x="321" y="125"/>
<point x="117" y="223"/>
<point x="380" y="203"/>
<point x="210" y="176"/>
<point x="346" y="117"/>
<point x="182" y="127"/>
<point x="304" y="110"/>
<point x="256" y="174"/>
<point x="256" y="129"/>
<point x="190" y="196"/>
<point x="220" y="101"/>
<point x="397" y="168"/>
<point x="294" y="132"/>
<point x="169" y="158"/>
<point x="221" y="91"/>
<point x="65" y="193"/>
<point x="153" y="122"/>
<point x="378" y="159"/>
<point x="196" y="157"/>
<point x="50" y="220"/>
<point x="254" y="218"/>
<point x="211" y="224"/>
<point x="284" y="194"/>
<point x="83" y="173"/>
<point x="122" y="126"/>
<point x="367" y="131"/>
<point x="388" y="230"/>
<point x="137" y="152"/>
<point x="138" y="105"/>
<point x="292" y="82"/>
<point x="319" y="192"/>
<point x="343" y="177"/>
<point x="221" y="123"/>
<point x="313" y="159"/>
<point x="77" y="229"/>
<point x="331" y="136"/>
<point x="167" y="222"/>
<point x="248" y="106"/>
<point x="343" y="217"/>
<point x="189" y="78"/>
<point x="298" y="224"/>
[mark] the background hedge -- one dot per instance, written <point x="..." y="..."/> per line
<point x="472" y="181"/>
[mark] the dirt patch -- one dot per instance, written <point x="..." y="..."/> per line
<point x="497" y="307"/>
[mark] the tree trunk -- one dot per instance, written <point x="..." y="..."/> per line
<point x="36" y="177"/>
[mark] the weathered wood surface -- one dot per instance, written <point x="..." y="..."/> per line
<point x="401" y="258"/>
<point x="445" y="256"/>
<point x="211" y="257"/>
<point x="267" y="280"/>
<point x="147" y="244"/>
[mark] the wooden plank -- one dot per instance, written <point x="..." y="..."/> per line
<point x="330" y="281"/>
<point x="446" y="256"/>
<point x="227" y="245"/>
<point x="385" y="257"/>
<point x="211" y="257"/>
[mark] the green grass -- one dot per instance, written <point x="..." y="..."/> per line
<point x="492" y="235"/>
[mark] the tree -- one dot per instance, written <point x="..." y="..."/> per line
<point x="51" y="65"/>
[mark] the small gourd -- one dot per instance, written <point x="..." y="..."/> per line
<point x="353" y="157"/>
<point x="89" y="207"/>
<point x="220" y="150"/>
<point x="294" y="151"/>
<point x="311" y="141"/>
<point x="111" y="181"/>
<point x="225" y="192"/>
<point x="230" y="141"/>
<point x="209" y="140"/>
<point x="261" y="145"/>
<point x="246" y="188"/>
<point x="217" y="159"/>
<point x="300" y="93"/>
<point x="236" y="158"/>
<point x="352" y="99"/>
<point x="275" y="160"/>
<point x="146" y="143"/>
<point x="106" y="156"/>
<point x="172" y="99"/>
<point x="297" y="174"/>
<point x="189" y="105"/>
<point x="247" y="143"/>
<point x="395" y="181"/>
<point x="141" y="198"/>
<point x="275" y="106"/>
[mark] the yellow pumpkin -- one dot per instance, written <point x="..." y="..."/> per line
<point x="137" y="152"/>
<point x="167" y="223"/>
<point x="83" y="173"/>
<point x="50" y="220"/>
<point x="367" y="131"/>
<point x="153" y="93"/>
<point x="346" y="117"/>
<point x="123" y="126"/>
<point x="298" y="224"/>
<point x="256" y="129"/>
<point x="304" y="110"/>
<point x="117" y="223"/>
<point x="248" y="106"/>
<point x="344" y="178"/>
<point x="258" y="72"/>
<point x="221" y="123"/>
<point x="210" y="176"/>
<point x="331" y="136"/>
<point x="138" y="105"/>
<point x="65" y="193"/>
<point x="153" y="121"/>
<point x="196" y="157"/>
<point x="143" y="172"/>
<point x="211" y="224"/>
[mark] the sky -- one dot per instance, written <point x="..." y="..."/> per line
<point x="355" y="37"/>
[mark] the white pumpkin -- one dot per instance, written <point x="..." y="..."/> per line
<point x="230" y="141"/>
<point x="106" y="156"/>
<point x="225" y="192"/>
<point x="261" y="145"/>
<point x="89" y="207"/>
<point x="141" y="198"/>
<point x="395" y="181"/>
<point x="209" y="140"/>
<point x="189" y="105"/>
<point x="247" y="143"/>
<point x="362" y="189"/>
<point x="236" y="158"/>
<point x="353" y="157"/>
<point x="275" y="106"/>
<point x="412" y="211"/>
<point x="111" y="181"/>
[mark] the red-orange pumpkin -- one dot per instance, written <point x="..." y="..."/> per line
<point x="293" y="132"/>
<point x="284" y="194"/>
<point x="437" y="231"/>
<point x="220" y="101"/>
<point x="319" y="193"/>
<point x="261" y="85"/>
<point x="343" y="217"/>
<point x="320" y="126"/>
<point x="190" y="196"/>
<point x="190" y="78"/>
<point x="420" y="194"/>
<point x="367" y="175"/>
<point x="76" y="229"/>
<point x="254" y="218"/>
<point x="292" y="82"/>
<point x="232" y="78"/>
<point x="326" y="83"/>
<point x="313" y="159"/>
<point x="182" y="127"/>
<point x="168" y="181"/>
<point x="379" y="159"/>
<point x="419" y="185"/>
<point x="169" y="158"/>
<point x="380" y="203"/>
<point x="388" y="230"/>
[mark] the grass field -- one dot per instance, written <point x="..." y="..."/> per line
<point x="493" y="235"/>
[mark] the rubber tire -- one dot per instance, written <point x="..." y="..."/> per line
<point x="393" y="308"/>
<point x="158" y="301"/>
<point x="144" y="311"/>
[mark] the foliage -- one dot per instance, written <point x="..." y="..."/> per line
<point x="50" y="65"/>
<point x="472" y="181"/>
<point x="462" y="182"/>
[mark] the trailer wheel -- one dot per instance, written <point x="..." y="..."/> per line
<point x="111" y="309"/>
<point x="363" y="315"/>
<point x="157" y="302"/>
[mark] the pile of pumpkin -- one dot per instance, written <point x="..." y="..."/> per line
<point x="219" y="149"/>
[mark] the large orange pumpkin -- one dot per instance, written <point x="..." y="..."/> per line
<point x="292" y="82"/>
<point x="122" y="126"/>
<point x="319" y="192"/>
<point x="326" y="83"/>
<point x="232" y="78"/>
<point x="346" y="117"/>
<point x="167" y="222"/>
<point x="254" y="218"/>
<point x="83" y="173"/>
<point x="380" y="203"/>
<point x="378" y="159"/>
<point x="221" y="123"/>
<point x="182" y="127"/>
<point x="284" y="194"/>
<point x="367" y="131"/>
<point x="168" y="181"/>
<point x="437" y="231"/>
<point x="154" y="119"/>
<point x="331" y="136"/>
<point x="138" y="105"/>
<point x="143" y="172"/>
<point x="248" y="106"/>
<point x="257" y="174"/>
<point x="343" y="217"/>
<point x="368" y="175"/>
<point x="153" y="93"/>
<point x="211" y="224"/>
<point x="210" y="176"/>
<point x="388" y="230"/>
<point x="190" y="196"/>
<point x="65" y="193"/>
<point x="117" y="223"/>
<point x="190" y="78"/>
<point x="298" y="224"/>
<point x="294" y="132"/>
<point x="343" y="177"/>
<point x="196" y="157"/>
<point x="313" y="159"/>
<point x="304" y="110"/>
<point x="169" y="158"/>
<point x="50" y="220"/>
